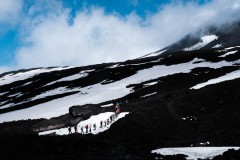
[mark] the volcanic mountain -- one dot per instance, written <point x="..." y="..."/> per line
<point x="184" y="95"/>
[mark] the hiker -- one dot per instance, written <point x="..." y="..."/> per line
<point x="75" y="128"/>
<point x="82" y="130"/>
<point x="94" y="126"/>
<point x="90" y="128"/>
<point x="86" y="127"/>
<point x="107" y="121"/>
<point x="69" y="130"/>
<point x="117" y="109"/>
<point x="111" y="119"/>
<point x="120" y="104"/>
<point x="101" y="124"/>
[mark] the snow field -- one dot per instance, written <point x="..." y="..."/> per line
<point x="194" y="153"/>
<point x="230" y="76"/>
<point x="25" y="75"/>
<point x="99" y="93"/>
<point x="205" y="40"/>
<point x="228" y="53"/>
<point x="96" y="119"/>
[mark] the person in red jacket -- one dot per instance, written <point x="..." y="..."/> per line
<point x="117" y="109"/>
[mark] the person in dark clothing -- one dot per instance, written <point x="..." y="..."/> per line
<point x="86" y="127"/>
<point x="111" y="119"/>
<point x="75" y="128"/>
<point x="69" y="130"/>
<point x="120" y="104"/>
<point x="94" y="126"/>
<point x="90" y="128"/>
<point x="82" y="130"/>
<point x="101" y="124"/>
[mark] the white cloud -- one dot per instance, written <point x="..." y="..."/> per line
<point x="9" y="10"/>
<point x="96" y="37"/>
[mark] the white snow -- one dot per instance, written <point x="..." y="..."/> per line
<point x="231" y="48"/>
<point x="147" y="95"/>
<point x="2" y="103"/>
<point x="96" y="119"/>
<point x="229" y="76"/>
<point x="204" y="143"/>
<point x="191" y="118"/>
<point x="217" y="46"/>
<point x="13" y="104"/>
<point x="137" y="64"/>
<point x="205" y="40"/>
<point x="154" y="53"/>
<point x="150" y="84"/>
<point x="3" y="93"/>
<point x="228" y="53"/>
<point x="113" y="66"/>
<point x="72" y="77"/>
<point x="194" y="153"/>
<point x="15" y="95"/>
<point x="107" y="105"/>
<point x="99" y="93"/>
<point x="7" y="105"/>
<point x="56" y="91"/>
<point x="7" y="79"/>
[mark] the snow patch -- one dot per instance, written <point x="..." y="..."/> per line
<point x="56" y="91"/>
<point x="15" y="95"/>
<point x="7" y="79"/>
<point x="195" y="153"/>
<point x="147" y="95"/>
<point x="217" y="46"/>
<point x="113" y="66"/>
<point x="150" y="84"/>
<point x="230" y="76"/>
<point x="154" y="54"/>
<point x="228" y="53"/>
<point x="96" y="119"/>
<point x="205" y="40"/>
<point x="204" y="143"/>
<point x="231" y="48"/>
<point x="191" y="118"/>
<point x="107" y="105"/>
<point x="81" y="74"/>
<point x="3" y="93"/>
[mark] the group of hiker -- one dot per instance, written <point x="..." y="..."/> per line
<point x="103" y="123"/>
<point x="119" y="105"/>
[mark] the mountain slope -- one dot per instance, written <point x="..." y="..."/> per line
<point x="57" y="89"/>
<point x="179" y="98"/>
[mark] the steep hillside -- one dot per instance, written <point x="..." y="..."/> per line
<point x="186" y="97"/>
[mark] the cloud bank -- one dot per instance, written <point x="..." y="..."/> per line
<point x="92" y="36"/>
<point x="9" y="10"/>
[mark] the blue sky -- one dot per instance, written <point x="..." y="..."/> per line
<point x="78" y="32"/>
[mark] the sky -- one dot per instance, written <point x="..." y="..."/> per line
<point x="43" y="33"/>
